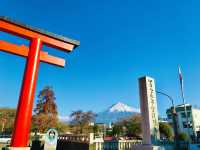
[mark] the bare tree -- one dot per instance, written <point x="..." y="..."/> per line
<point x="82" y="119"/>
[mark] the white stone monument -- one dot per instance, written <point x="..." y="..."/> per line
<point x="51" y="138"/>
<point x="148" y="106"/>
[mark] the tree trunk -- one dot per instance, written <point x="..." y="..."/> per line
<point x="3" y="125"/>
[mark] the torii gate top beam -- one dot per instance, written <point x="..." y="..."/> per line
<point x="28" y="32"/>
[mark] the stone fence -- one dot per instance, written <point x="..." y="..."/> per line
<point x="91" y="142"/>
<point x="75" y="138"/>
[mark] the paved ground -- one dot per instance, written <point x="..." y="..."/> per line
<point x="2" y="145"/>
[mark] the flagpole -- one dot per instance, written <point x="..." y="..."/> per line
<point x="185" y="109"/>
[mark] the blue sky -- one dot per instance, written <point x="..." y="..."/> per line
<point x="120" y="42"/>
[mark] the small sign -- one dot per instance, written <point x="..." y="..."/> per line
<point x="51" y="139"/>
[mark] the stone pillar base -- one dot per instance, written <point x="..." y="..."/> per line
<point x="146" y="147"/>
<point x="19" y="148"/>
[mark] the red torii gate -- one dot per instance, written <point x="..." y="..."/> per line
<point x="37" y="37"/>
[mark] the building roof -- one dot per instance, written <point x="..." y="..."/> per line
<point x="41" y="31"/>
<point x="180" y="108"/>
<point x="182" y="105"/>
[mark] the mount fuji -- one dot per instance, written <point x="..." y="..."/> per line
<point x="116" y="112"/>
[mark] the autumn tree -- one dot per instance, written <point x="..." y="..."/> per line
<point x="45" y="111"/>
<point x="46" y="102"/>
<point x="7" y="117"/>
<point x="82" y="119"/>
<point x="62" y="127"/>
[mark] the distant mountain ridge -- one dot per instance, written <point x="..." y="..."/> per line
<point x="116" y="112"/>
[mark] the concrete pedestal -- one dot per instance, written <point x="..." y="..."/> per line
<point x="146" y="147"/>
<point x="19" y="148"/>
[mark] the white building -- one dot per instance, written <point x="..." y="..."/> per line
<point x="193" y="119"/>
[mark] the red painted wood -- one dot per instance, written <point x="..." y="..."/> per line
<point x="22" y="50"/>
<point x="28" y="34"/>
<point x="20" y="136"/>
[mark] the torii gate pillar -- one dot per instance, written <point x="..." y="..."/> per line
<point x="25" y="105"/>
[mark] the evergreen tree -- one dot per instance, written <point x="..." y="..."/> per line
<point x="166" y="130"/>
<point x="183" y="137"/>
<point x="130" y="126"/>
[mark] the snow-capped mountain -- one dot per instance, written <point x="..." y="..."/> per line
<point x="120" y="107"/>
<point x="115" y="113"/>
